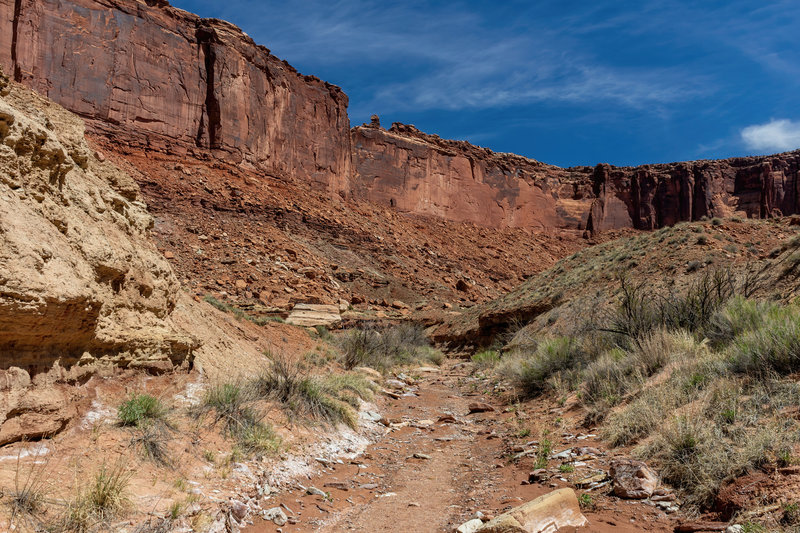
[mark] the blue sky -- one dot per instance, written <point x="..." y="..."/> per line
<point x="565" y="82"/>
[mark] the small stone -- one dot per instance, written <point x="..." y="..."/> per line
<point x="239" y="510"/>
<point x="471" y="526"/>
<point x="538" y="475"/>
<point x="480" y="407"/>
<point x="314" y="491"/>
<point x="275" y="515"/>
<point x="421" y="456"/>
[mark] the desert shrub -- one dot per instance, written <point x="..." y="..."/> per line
<point x="486" y="358"/>
<point x="641" y="311"/>
<point x="386" y="348"/>
<point x="716" y="221"/>
<point x="360" y="346"/>
<point x="619" y="372"/>
<point x="300" y="394"/>
<point x="105" y="497"/>
<point x="231" y="404"/>
<point x="738" y="316"/>
<point x="697" y="458"/>
<point x="152" y="439"/>
<point x="140" y="409"/>
<point x="28" y="496"/>
<point x="530" y="372"/>
<point x="645" y="413"/>
<point x="774" y="347"/>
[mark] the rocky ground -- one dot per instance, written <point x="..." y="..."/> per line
<point x="452" y="452"/>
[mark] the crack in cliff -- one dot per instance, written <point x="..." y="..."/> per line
<point x="211" y="113"/>
<point x="14" y="34"/>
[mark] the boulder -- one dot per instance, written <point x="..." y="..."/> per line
<point x="633" y="479"/>
<point x="311" y="315"/>
<point x="545" y="514"/>
<point x="275" y="515"/>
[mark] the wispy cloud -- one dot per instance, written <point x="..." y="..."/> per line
<point x="775" y="135"/>
<point x="453" y="57"/>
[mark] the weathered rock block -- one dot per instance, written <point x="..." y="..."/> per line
<point x="633" y="479"/>
<point x="545" y="514"/>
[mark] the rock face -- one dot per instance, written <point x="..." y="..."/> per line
<point x="311" y="315"/>
<point x="157" y="77"/>
<point x="423" y="174"/>
<point x="653" y="196"/>
<point x="79" y="278"/>
<point x="153" y="77"/>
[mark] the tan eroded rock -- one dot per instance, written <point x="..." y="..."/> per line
<point x="545" y="514"/>
<point x="311" y="315"/>
<point x="80" y="281"/>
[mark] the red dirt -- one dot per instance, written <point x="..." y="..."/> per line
<point x="468" y="469"/>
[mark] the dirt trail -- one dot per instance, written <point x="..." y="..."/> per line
<point x="461" y="467"/>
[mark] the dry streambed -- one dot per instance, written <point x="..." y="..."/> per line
<point x="452" y="458"/>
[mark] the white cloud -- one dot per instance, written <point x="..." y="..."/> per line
<point x="776" y="135"/>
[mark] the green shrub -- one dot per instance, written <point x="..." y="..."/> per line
<point x="772" y="347"/>
<point x="231" y="404"/>
<point x="386" y="348"/>
<point x="139" y="409"/>
<point x="738" y="316"/>
<point x="104" y="498"/>
<point x="530" y="372"/>
<point x="331" y="398"/>
<point x="486" y="358"/>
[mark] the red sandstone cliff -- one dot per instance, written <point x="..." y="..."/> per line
<point x="652" y="196"/>
<point x="424" y="174"/>
<point x="149" y="76"/>
<point x="156" y="77"/>
<point x="420" y="173"/>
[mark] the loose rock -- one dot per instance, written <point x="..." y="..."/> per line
<point x="633" y="479"/>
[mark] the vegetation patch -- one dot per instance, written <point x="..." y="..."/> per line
<point x="384" y="349"/>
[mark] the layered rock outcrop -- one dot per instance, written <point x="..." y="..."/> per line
<point x="424" y="174"/>
<point x="156" y="77"/>
<point x="153" y="77"/>
<point x="653" y="196"/>
<point x="79" y="278"/>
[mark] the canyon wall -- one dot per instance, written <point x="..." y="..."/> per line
<point x="149" y="76"/>
<point x="424" y="174"/>
<point x="155" y="77"/>
<point x="652" y="196"/>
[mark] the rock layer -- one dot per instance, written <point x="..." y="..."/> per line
<point x="79" y="277"/>
<point x="156" y="77"/>
<point x="153" y="77"/>
<point x="424" y="174"/>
